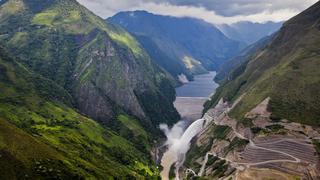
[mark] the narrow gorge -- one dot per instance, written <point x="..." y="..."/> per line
<point x="189" y="103"/>
<point x="160" y="89"/>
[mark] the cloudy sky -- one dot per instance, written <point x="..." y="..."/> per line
<point x="212" y="11"/>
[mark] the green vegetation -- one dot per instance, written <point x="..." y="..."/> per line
<point x="275" y="127"/>
<point x="235" y="143"/>
<point x="19" y="38"/>
<point x="211" y="160"/>
<point x="246" y="122"/>
<point x="127" y="40"/>
<point x="81" y="88"/>
<point x="12" y="7"/>
<point x="219" y="169"/>
<point x="316" y="144"/>
<point x="172" y="174"/>
<point x="73" y="16"/>
<point x="180" y="46"/>
<point x="23" y="155"/>
<point x="286" y="71"/>
<point x="133" y="125"/>
<point x="220" y="132"/>
<point x="256" y="130"/>
<point x="195" y="152"/>
<point x="271" y="129"/>
<point x="193" y="65"/>
<point x="45" y="18"/>
<point x="89" y="59"/>
<point x="68" y="145"/>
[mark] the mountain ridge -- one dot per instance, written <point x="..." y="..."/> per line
<point x="186" y="41"/>
<point x="70" y="49"/>
<point x="60" y="137"/>
<point x="291" y="55"/>
<point x="249" y="32"/>
<point x="84" y="88"/>
<point x="263" y="121"/>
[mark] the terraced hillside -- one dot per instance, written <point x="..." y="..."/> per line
<point x="265" y="116"/>
<point x="231" y="149"/>
<point x="286" y="71"/>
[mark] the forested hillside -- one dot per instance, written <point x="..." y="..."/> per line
<point x="77" y="95"/>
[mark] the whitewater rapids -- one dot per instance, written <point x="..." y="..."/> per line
<point x="189" y="104"/>
<point x="178" y="145"/>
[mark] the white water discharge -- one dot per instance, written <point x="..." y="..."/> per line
<point x="190" y="98"/>
<point x="178" y="144"/>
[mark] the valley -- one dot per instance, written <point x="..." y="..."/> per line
<point x="254" y="126"/>
<point x="189" y="103"/>
<point x="192" y="95"/>
<point x="260" y="120"/>
<point x="160" y="89"/>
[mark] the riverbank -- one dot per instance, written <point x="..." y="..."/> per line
<point x="189" y="103"/>
<point x="191" y="96"/>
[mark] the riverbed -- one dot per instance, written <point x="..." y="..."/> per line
<point x="189" y="103"/>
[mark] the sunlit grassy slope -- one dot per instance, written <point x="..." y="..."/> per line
<point x="41" y="135"/>
<point x="287" y="70"/>
<point x="66" y="43"/>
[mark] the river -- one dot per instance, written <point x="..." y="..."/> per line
<point x="189" y="103"/>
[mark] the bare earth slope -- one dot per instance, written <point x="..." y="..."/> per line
<point x="287" y="71"/>
<point x="265" y="121"/>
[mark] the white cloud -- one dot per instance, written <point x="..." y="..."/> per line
<point x="272" y="10"/>
<point x="212" y="17"/>
<point x="244" y="7"/>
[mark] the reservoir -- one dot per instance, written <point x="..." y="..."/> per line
<point x="189" y="103"/>
<point x="202" y="86"/>
<point x="191" y="96"/>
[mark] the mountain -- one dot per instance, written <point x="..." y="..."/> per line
<point x="189" y="45"/>
<point x="43" y="136"/>
<point x="286" y="71"/>
<point x="264" y="119"/>
<point x="249" y="32"/>
<point x="100" y="64"/>
<point x="226" y="71"/>
<point x="81" y="91"/>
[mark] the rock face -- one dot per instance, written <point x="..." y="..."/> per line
<point x="189" y="45"/>
<point x="101" y="65"/>
<point x="285" y="70"/>
<point x="231" y="149"/>
<point x="43" y="136"/>
<point x="113" y="81"/>
<point x="79" y="97"/>
<point x="271" y="125"/>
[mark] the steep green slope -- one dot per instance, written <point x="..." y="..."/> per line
<point x="287" y="70"/>
<point x="170" y="64"/>
<point x="99" y="64"/>
<point x="80" y="89"/>
<point x="41" y="135"/>
<point x="191" y="45"/>
<point x="18" y="149"/>
<point x="227" y="70"/>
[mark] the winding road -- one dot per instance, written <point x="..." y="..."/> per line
<point x="252" y="144"/>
